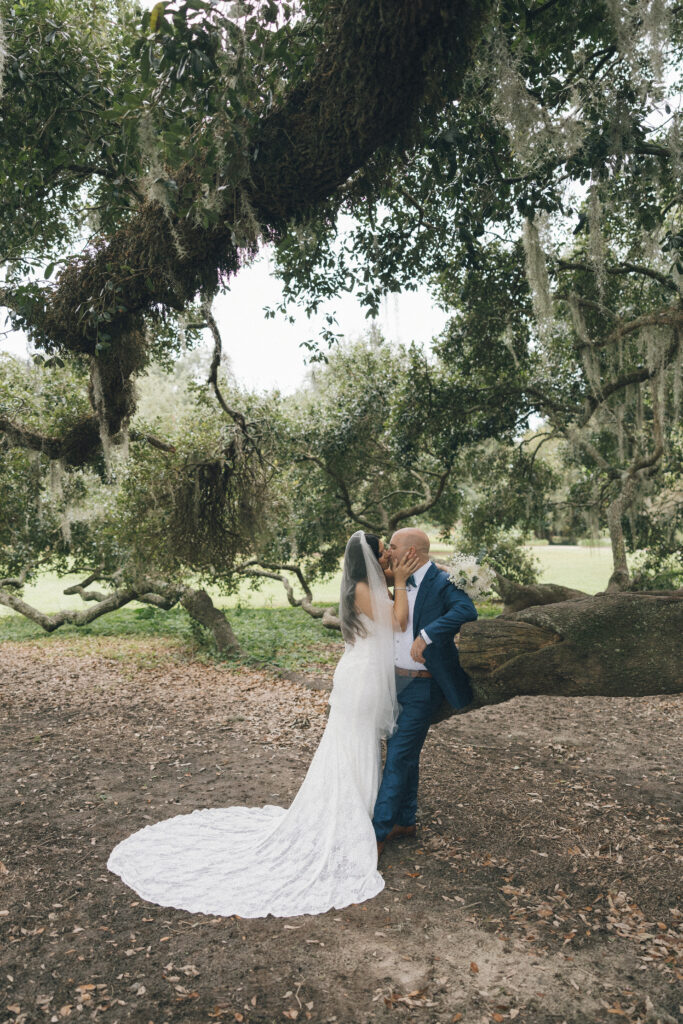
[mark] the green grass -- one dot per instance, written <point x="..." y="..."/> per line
<point x="287" y="638"/>
<point x="141" y="621"/>
<point x="268" y="629"/>
<point x="582" y="567"/>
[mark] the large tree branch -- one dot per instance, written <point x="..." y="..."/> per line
<point x="17" y="581"/>
<point x="670" y="316"/>
<point x="76" y="446"/>
<point x="344" y="494"/>
<point x="422" y="507"/>
<point x="583" y="646"/>
<point x="108" y="603"/>
<point x="235" y="415"/>
<point x="588" y="646"/>
<point x="621" y="269"/>
<point x="382" y="68"/>
<point x="276" y="571"/>
<point x="154" y="442"/>
<point x="156" y="592"/>
<point x="414" y="52"/>
<point x="639" y="376"/>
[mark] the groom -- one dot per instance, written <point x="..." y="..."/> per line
<point x="427" y="671"/>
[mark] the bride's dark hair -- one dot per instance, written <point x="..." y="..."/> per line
<point x="356" y="573"/>
<point x="356" y="558"/>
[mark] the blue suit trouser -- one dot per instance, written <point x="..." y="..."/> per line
<point x="396" y="802"/>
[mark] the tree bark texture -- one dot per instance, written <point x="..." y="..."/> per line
<point x="610" y="645"/>
<point x="517" y="596"/>
<point x="200" y="607"/>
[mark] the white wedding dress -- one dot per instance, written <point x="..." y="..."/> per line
<point x="319" y="854"/>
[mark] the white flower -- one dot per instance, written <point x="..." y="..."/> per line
<point x="466" y="573"/>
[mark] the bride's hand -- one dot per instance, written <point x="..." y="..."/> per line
<point x="405" y="568"/>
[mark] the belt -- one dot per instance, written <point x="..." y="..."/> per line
<point x="413" y="674"/>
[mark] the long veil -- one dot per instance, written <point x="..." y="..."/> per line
<point x="360" y="563"/>
<point x="319" y="853"/>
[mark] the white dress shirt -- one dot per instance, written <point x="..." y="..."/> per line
<point x="404" y="641"/>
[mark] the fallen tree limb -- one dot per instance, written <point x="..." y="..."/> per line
<point x="158" y="593"/>
<point x="276" y="571"/>
<point x="609" y="645"/>
<point x="517" y="596"/>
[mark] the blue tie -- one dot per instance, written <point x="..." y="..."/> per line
<point x="410" y="582"/>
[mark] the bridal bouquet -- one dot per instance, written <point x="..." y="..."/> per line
<point x="466" y="573"/>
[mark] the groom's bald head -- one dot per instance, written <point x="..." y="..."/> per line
<point x="409" y="537"/>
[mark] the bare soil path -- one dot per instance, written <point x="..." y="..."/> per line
<point x="544" y="885"/>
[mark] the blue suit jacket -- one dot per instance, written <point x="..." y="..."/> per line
<point x="441" y="609"/>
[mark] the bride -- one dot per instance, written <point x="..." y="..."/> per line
<point x="321" y="852"/>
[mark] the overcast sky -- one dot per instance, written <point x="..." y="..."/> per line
<point x="265" y="353"/>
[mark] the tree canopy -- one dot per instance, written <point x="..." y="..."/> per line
<point x="524" y="159"/>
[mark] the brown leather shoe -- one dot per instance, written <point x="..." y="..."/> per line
<point x="401" y="830"/>
<point x="381" y="843"/>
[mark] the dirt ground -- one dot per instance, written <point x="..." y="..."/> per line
<point x="544" y="885"/>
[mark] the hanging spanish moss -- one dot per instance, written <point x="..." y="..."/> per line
<point x="674" y="143"/>
<point x="593" y="517"/>
<point x="643" y="31"/>
<point x="619" y="15"/>
<point x="533" y="133"/>
<point x="154" y="183"/>
<point x="56" y="486"/>
<point x="621" y="437"/>
<point x="520" y="112"/>
<point x="101" y="413"/>
<point x="3" y="56"/>
<point x="677" y="372"/>
<point x="655" y="33"/>
<point x="124" y="445"/>
<point x="216" y="506"/>
<point x="589" y="359"/>
<point x="639" y="410"/>
<point x="508" y="341"/>
<point x="657" y="344"/>
<point x="596" y="242"/>
<point x="537" y="275"/>
<point x="578" y="319"/>
<point x="658" y="410"/>
<point x="591" y="368"/>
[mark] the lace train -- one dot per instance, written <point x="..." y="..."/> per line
<point x="317" y="855"/>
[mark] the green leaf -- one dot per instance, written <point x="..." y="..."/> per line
<point x="157" y="12"/>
